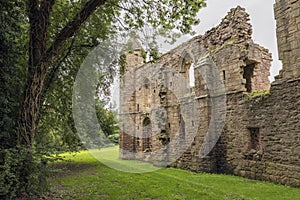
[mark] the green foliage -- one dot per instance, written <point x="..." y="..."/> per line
<point x="154" y="55"/>
<point x="158" y="19"/>
<point x="114" y="138"/>
<point x="257" y="95"/>
<point x="144" y="54"/>
<point x="107" y="119"/>
<point x="22" y="173"/>
<point x="12" y="68"/>
<point x="57" y="106"/>
<point x="122" y="64"/>
<point x="163" y="16"/>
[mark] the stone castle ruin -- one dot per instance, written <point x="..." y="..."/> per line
<point x="208" y="106"/>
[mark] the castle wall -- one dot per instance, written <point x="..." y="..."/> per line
<point x="261" y="135"/>
<point x="277" y="117"/>
<point x="274" y="117"/>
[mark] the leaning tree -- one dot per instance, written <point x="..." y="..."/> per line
<point x="165" y="15"/>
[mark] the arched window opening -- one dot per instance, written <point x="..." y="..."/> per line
<point x="187" y="70"/>
<point x="146" y="92"/>
<point x="147" y="133"/>
<point x="191" y="76"/>
<point x="146" y="83"/>
<point x="181" y="127"/>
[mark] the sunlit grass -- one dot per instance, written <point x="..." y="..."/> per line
<point x="87" y="178"/>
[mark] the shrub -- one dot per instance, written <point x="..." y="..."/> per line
<point x="114" y="138"/>
<point x="23" y="172"/>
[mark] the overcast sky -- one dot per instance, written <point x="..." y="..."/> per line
<point x="262" y="20"/>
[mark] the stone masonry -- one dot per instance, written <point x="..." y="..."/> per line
<point x="169" y="117"/>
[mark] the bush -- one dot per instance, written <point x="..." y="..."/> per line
<point x="22" y="173"/>
<point x="114" y="138"/>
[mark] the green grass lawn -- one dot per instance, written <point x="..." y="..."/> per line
<point x="87" y="178"/>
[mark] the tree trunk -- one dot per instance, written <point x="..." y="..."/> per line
<point x="41" y="58"/>
<point x="29" y="115"/>
<point x="38" y="13"/>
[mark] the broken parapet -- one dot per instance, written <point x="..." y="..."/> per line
<point x="234" y="27"/>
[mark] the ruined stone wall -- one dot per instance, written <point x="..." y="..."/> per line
<point x="134" y="59"/>
<point x="231" y="57"/>
<point x="276" y="116"/>
<point x="261" y="136"/>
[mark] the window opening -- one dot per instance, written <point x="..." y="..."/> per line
<point x="191" y="76"/>
<point x="254" y="138"/>
<point x="147" y="131"/>
<point x="248" y="75"/>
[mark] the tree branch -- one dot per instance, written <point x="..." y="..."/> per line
<point x="39" y="16"/>
<point x="69" y="30"/>
<point x="45" y="10"/>
<point x="53" y="73"/>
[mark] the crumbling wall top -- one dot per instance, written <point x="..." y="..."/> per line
<point x="234" y="27"/>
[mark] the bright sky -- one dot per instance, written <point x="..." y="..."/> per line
<point x="262" y="20"/>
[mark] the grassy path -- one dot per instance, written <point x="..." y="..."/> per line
<point x="87" y="178"/>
